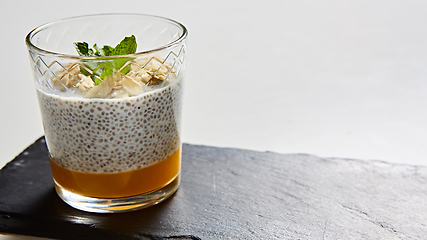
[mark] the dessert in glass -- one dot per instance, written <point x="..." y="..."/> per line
<point x="110" y="92"/>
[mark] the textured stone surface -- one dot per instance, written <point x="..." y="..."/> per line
<point x="232" y="194"/>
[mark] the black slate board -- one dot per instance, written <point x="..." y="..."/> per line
<point x="233" y="194"/>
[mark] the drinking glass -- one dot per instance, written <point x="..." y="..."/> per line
<point x="111" y="122"/>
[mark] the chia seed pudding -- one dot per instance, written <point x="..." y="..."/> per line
<point x="111" y="135"/>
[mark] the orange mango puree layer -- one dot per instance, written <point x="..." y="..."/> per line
<point x="121" y="184"/>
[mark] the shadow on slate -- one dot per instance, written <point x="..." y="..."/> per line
<point x="236" y="194"/>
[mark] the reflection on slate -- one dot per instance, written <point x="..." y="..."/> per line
<point x="233" y="194"/>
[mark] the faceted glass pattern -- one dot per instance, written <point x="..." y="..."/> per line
<point x="51" y="46"/>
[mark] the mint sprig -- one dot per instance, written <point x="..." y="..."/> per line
<point x="106" y="67"/>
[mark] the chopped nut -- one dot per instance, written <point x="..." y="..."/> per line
<point x="121" y="93"/>
<point x="133" y="87"/>
<point x="103" y="89"/>
<point x="85" y="83"/>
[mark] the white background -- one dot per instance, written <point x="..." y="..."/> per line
<point x="331" y="78"/>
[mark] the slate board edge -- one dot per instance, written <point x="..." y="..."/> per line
<point x="248" y="150"/>
<point x="35" y="232"/>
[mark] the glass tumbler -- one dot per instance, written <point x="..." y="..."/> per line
<point x="109" y="88"/>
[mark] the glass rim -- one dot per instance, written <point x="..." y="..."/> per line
<point x="33" y="32"/>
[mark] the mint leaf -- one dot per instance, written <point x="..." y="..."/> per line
<point x="108" y="51"/>
<point x="98" y="51"/>
<point x="103" y="69"/>
<point x="126" y="46"/>
<point x="83" y="49"/>
<point x="108" y="70"/>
